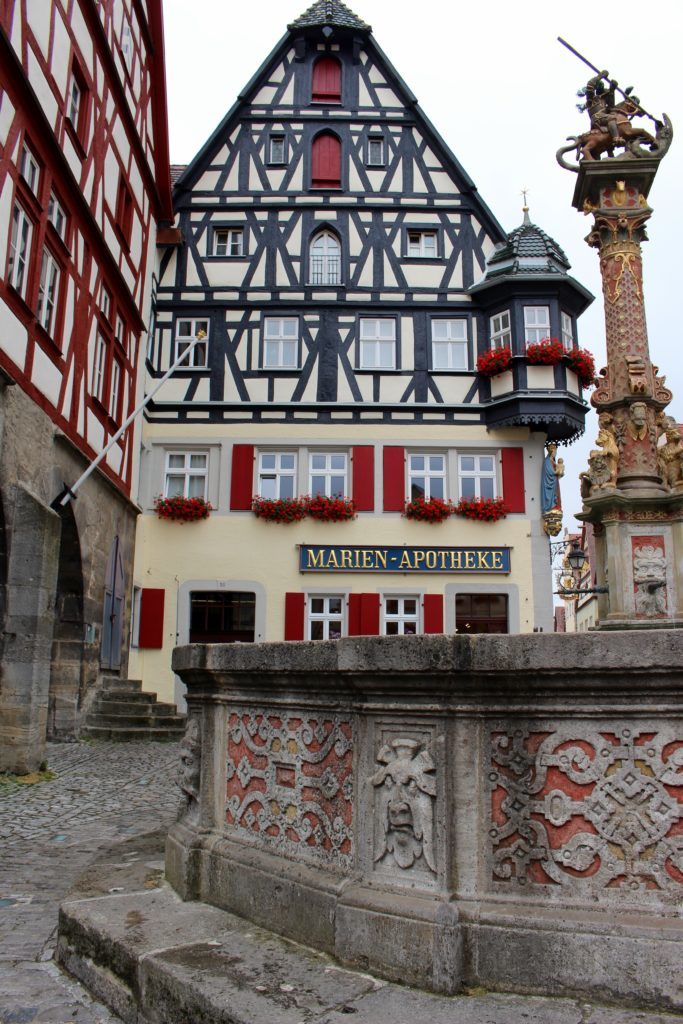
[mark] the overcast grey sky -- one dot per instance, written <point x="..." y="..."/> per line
<point x="501" y="91"/>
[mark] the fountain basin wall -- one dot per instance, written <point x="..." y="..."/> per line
<point x="504" y="811"/>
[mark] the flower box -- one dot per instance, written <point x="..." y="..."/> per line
<point x="329" y="510"/>
<point x="581" y="361"/>
<point x="547" y="352"/>
<point x="496" y="361"/>
<point x="488" y="510"/>
<point x="432" y="510"/>
<point x="182" y="510"/>
<point x="279" y="510"/>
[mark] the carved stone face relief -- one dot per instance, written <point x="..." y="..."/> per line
<point x="190" y="761"/>
<point x="404" y="806"/>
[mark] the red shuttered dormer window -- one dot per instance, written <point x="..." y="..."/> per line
<point x="326" y="161"/>
<point x="326" y="86"/>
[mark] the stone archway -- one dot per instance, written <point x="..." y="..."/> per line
<point x="66" y="667"/>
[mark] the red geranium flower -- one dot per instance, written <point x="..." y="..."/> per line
<point x="182" y="510"/>
<point x="496" y="361"/>
<point x="547" y="352"/>
<point x="429" y="510"/>
<point x="329" y="510"/>
<point x="581" y="361"/>
<point x="279" y="510"/>
<point x="483" y="509"/>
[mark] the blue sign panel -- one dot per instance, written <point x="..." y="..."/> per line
<point x="357" y="558"/>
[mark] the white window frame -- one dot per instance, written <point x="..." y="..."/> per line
<point x="454" y="347"/>
<point x="375" y="147"/>
<point x="536" y="326"/>
<point x="57" y="216"/>
<point x="99" y="367"/>
<point x="372" y="343"/>
<point x="114" y="388"/>
<point x="228" y="242"/>
<point x="276" y="149"/>
<point x="326" y="617"/>
<point x="402" y="618"/>
<point x="29" y="168"/>
<point x="324" y="260"/>
<point x="478" y="474"/>
<point x="135" y="609"/>
<point x="105" y="302"/>
<point x="277" y="340"/>
<point x="199" y="355"/>
<point x="328" y="473"/>
<point x="427" y="474"/>
<point x="48" y="291"/>
<point x="127" y="49"/>
<point x="500" y="330"/>
<point x="567" y="331"/>
<point x="277" y="473"/>
<point x="187" y="471"/>
<point x="421" y="244"/>
<point x="20" y="250"/>
<point x="74" y="101"/>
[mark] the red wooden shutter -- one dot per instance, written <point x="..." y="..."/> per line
<point x="326" y="80"/>
<point x="242" y="481"/>
<point x="326" y="161"/>
<point x="363" y="614"/>
<point x="433" y="613"/>
<point x="394" y="479"/>
<point x="151" y="632"/>
<point x="513" y="479"/>
<point x="363" y="476"/>
<point x="294" y="616"/>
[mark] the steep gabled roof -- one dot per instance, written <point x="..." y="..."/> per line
<point x="330" y="12"/>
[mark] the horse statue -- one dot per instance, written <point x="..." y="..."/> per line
<point x="636" y="141"/>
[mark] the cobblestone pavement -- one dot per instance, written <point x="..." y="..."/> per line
<point x="49" y="832"/>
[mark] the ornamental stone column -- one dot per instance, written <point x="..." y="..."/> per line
<point x="633" y="487"/>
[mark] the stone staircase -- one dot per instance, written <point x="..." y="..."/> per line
<point x="121" y="712"/>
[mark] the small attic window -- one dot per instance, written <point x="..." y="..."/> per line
<point x="326" y="86"/>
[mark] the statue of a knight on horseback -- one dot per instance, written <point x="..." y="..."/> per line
<point x="612" y="111"/>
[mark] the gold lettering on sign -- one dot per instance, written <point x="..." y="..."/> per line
<point x="405" y="561"/>
<point x="315" y="559"/>
<point x="469" y="560"/>
<point x="332" y="561"/>
<point x="381" y="559"/>
<point x="430" y="559"/>
<point x="481" y="560"/>
<point x="497" y="559"/>
<point x="456" y="559"/>
<point x="346" y="559"/>
<point x="368" y="560"/>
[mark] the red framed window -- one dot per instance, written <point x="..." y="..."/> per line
<point x="327" y="78"/>
<point x="124" y="211"/>
<point x="326" y="161"/>
<point x="77" y="102"/>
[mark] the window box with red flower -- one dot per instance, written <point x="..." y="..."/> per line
<point x="179" y="509"/>
<point x="488" y="510"/>
<point x="547" y="352"/>
<point x="429" y="510"/>
<point x="329" y="510"/>
<point x="581" y="361"/>
<point x="496" y="361"/>
<point x="279" y="510"/>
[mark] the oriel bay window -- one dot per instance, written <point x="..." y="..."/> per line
<point x="536" y="324"/>
<point x="186" y="474"/>
<point x="325" y="618"/>
<point x="328" y="474"/>
<point x="567" y="331"/>
<point x="277" y="475"/>
<point x="377" y="348"/>
<point x="449" y="344"/>
<point x="477" y="476"/>
<point x="501" y="334"/>
<point x="427" y="476"/>
<point x="186" y="331"/>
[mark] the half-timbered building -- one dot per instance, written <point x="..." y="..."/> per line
<point x="84" y="181"/>
<point x="339" y="275"/>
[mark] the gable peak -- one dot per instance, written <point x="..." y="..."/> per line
<point x="330" y="12"/>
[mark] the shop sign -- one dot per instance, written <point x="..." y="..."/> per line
<point x="359" y="558"/>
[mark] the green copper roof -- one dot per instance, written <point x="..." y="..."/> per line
<point x="330" y="12"/>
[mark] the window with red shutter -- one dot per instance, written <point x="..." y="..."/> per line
<point x="294" y="616"/>
<point x="433" y="613"/>
<point x="326" y="81"/>
<point x="363" y="615"/>
<point x="242" y="479"/>
<point x="512" y="460"/>
<point x="394" y="479"/>
<point x="326" y="161"/>
<point x="363" y="468"/>
<point x="151" y="634"/>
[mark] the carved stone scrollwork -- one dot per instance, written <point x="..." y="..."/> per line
<point x="189" y="774"/>
<point x="290" y="784"/>
<point x="590" y="812"/>
<point x="404" y="806"/>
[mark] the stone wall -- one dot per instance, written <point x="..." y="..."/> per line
<point x="53" y="586"/>
<point x="447" y="811"/>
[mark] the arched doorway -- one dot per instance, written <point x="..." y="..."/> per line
<point x="66" y="669"/>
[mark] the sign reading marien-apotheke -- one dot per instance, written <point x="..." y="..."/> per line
<point x="356" y="558"/>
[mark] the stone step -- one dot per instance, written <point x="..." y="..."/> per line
<point x="126" y="697"/>
<point x="107" y="706"/>
<point x="129" y="734"/>
<point x="110" y="683"/>
<point x="124" y="721"/>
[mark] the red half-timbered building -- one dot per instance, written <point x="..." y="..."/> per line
<point x="84" y="186"/>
